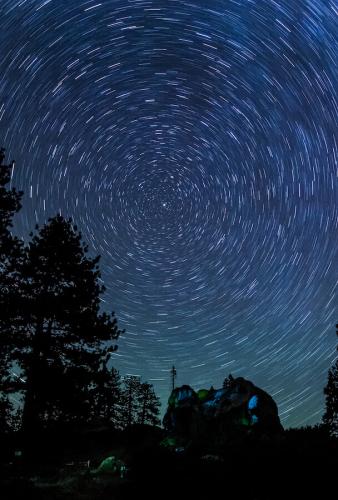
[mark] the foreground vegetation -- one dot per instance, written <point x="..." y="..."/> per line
<point x="301" y="463"/>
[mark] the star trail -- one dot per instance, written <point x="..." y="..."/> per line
<point x="195" y="144"/>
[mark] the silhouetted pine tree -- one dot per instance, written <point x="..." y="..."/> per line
<point x="149" y="405"/>
<point x="9" y="206"/>
<point x="65" y="335"/>
<point x="107" y="394"/>
<point x="10" y="255"/>
<point x="140" y="405"/>
<point x="130" y="400"/>
<point x="68" y="396"/>
<point x="330" y="417"/>
<point x="228" y="381"/>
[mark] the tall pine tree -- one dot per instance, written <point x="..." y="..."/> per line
<point x="10" y="255"/>
<point x="149" y="405"/>
<point x="140" y="403"/>
<point x="106" y="394"/>
<point x="65" y="336"/>
<point x="130" y="403"/>
<point x="10" y="204"/>
<point x="330" y="417"/>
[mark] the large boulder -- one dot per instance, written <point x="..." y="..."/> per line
<point x="183" y="410"/>
<point x="240" y="405"/>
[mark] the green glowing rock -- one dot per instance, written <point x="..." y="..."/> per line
<point x="202" y="394"/>
<point x="169" y="442"/>
<point x="110" y="465"/>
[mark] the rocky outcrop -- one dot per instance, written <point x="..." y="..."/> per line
<point x="239" y="406"/>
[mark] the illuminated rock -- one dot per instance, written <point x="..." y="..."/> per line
<point x="183" y="409"/>
<point x="240" y="405"/>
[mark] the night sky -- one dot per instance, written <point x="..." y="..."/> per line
<point x="195" y="144"/>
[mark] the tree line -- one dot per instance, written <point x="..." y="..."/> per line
<point x="55" y="341"/>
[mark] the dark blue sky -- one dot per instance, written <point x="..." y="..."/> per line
<point x="195" y="144"/>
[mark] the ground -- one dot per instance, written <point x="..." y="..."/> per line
<point x="301" y="464"/>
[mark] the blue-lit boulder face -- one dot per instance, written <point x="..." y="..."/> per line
<point x="241" y="406"/>
<point x="183" y="411"/>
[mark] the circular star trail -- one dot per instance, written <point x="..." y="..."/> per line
<point x="195" y="145"/>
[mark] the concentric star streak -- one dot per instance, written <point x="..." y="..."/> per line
<point x="195" y="144"/>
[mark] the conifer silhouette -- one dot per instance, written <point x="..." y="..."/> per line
<point x="330" y="417"/>
<point x="65" y="336"/>
<point x="10" y="255"/>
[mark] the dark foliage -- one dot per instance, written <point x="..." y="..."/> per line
<point x="10" y="204"/>
<point x="64" y="338"/>
<point x="330" y="417"/>
<point x="227" y="383"/>
<point x="149" y="405"/>
<point x="129" y="402"/>
<point x="140" y="403"/>
<point x="299" y="464"/>
<point x="10" y="254"/>
<point x="106" y="395"/>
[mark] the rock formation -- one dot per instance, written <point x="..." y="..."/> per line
<point x="219" y="412"/>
